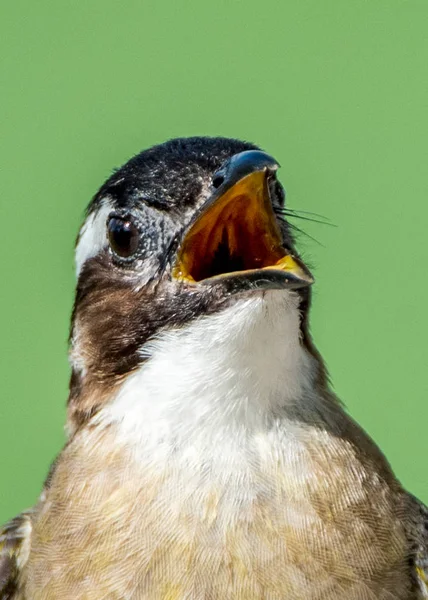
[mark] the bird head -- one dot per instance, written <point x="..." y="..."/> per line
<point x="183" y="230"/>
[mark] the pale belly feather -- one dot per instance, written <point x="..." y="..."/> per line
<point x="260" y="521"/>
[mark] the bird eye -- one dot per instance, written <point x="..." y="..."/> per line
<point x="123" y="237"/>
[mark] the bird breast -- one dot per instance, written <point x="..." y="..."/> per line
<point x="268" y="517"/>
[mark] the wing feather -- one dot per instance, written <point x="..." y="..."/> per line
<point x="418" y="538"/>
<point x="15" y="540"/>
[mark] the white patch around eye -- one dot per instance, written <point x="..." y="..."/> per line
<point x="93" y="236"/>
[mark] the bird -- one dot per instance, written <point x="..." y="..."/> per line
<point x="207" y="456"/>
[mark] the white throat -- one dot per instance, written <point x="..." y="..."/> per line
<point x="234" y="368"/>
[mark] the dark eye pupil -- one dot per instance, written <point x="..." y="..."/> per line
<point x="123" y="237"/>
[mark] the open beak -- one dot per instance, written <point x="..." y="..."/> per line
<point x="235" y="235"/>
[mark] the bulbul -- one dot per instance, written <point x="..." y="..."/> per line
<point x="207" y="457"/>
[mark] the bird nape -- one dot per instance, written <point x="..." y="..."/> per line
<point x="207" y="456"/>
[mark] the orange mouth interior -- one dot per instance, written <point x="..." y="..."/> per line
<point x="237" y="233"/>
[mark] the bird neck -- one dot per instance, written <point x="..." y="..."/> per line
<point x="238" y="368"/>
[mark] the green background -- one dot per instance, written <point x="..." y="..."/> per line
<point x="336" y="90"/>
